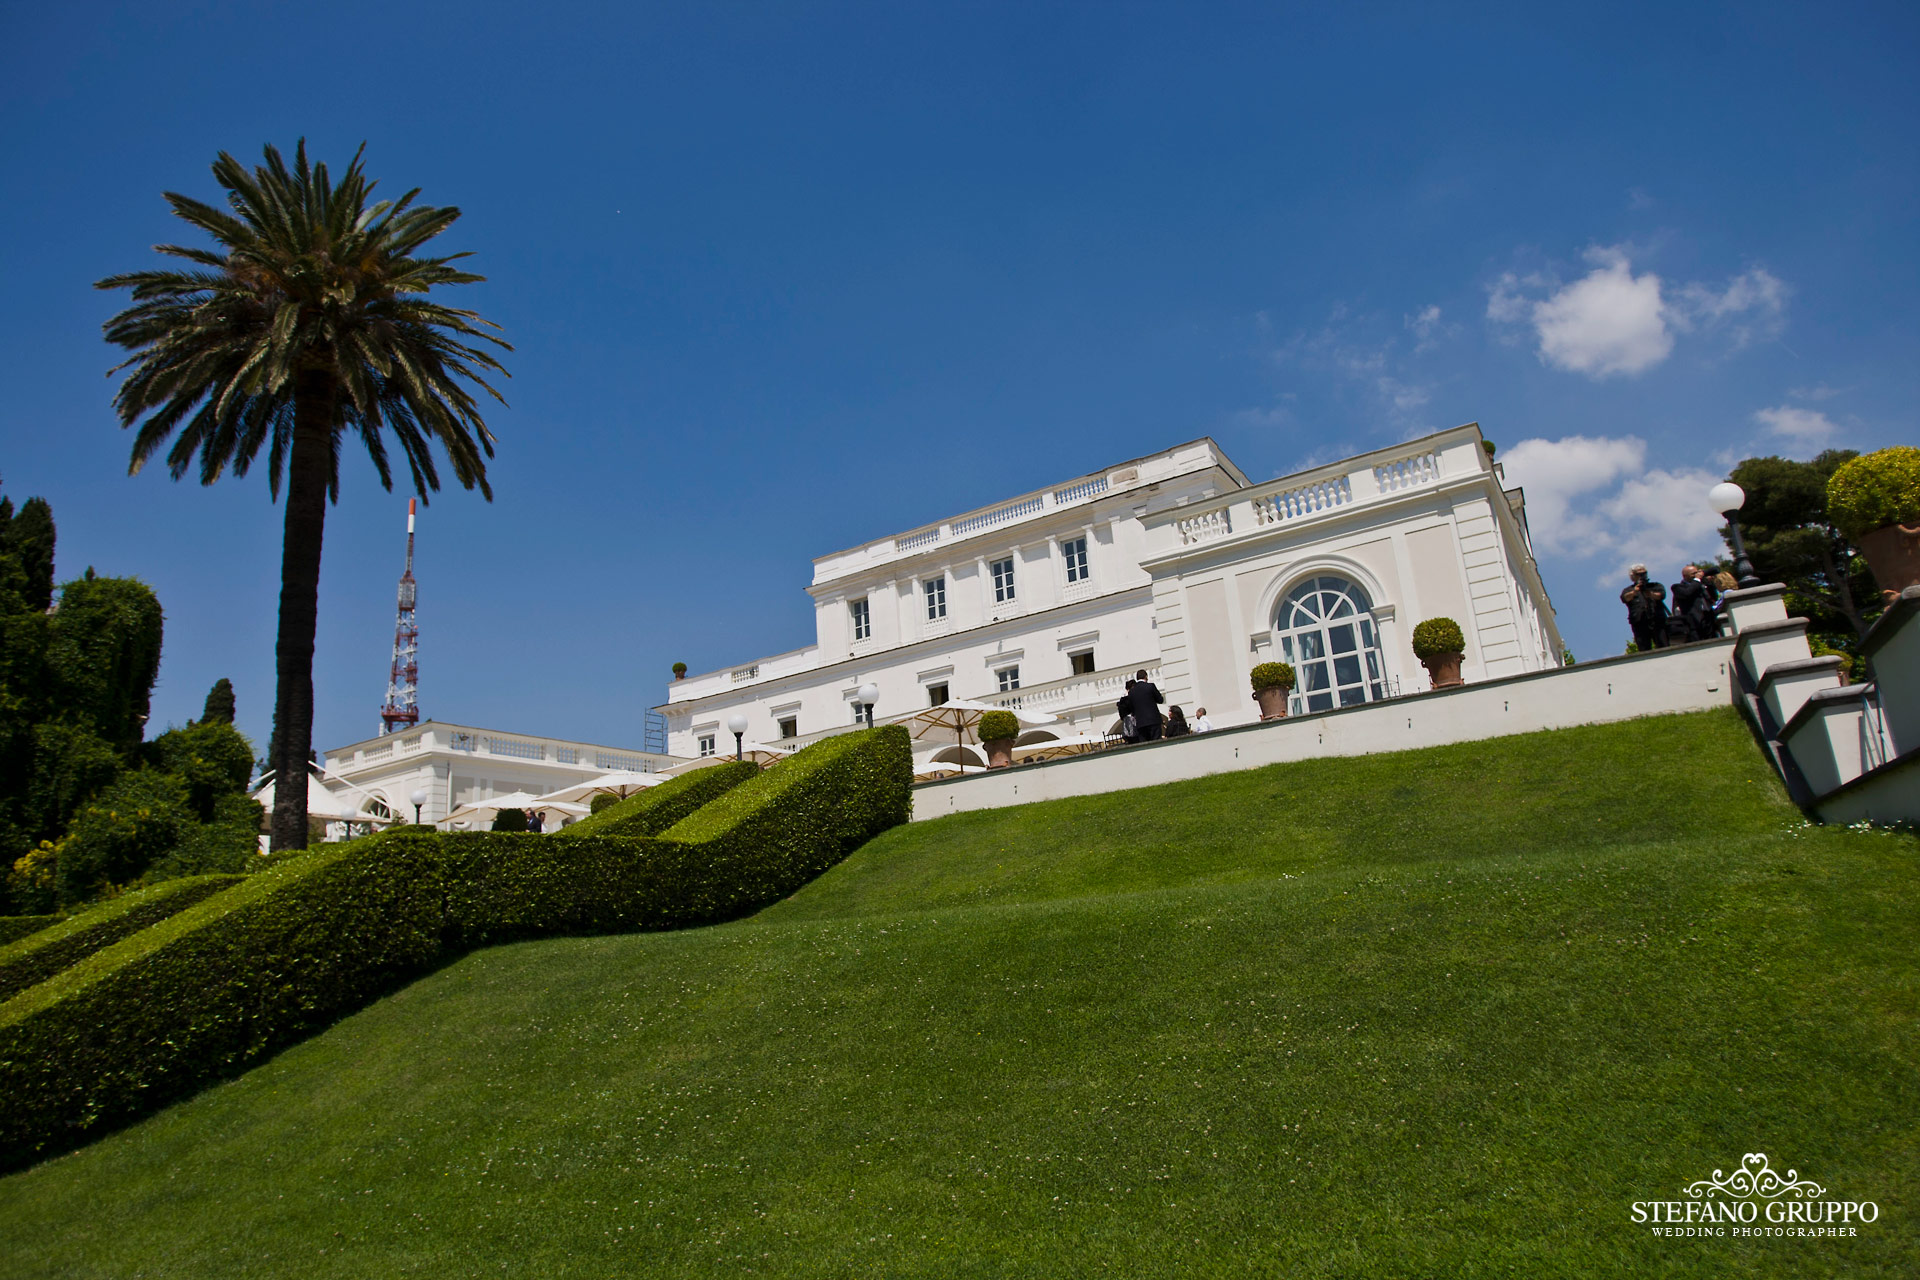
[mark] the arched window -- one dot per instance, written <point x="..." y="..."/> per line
<point x="1326" y="632"/>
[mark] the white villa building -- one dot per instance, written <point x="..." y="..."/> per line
<point x="1050" y="600"/>
<point x="457" y="764"/>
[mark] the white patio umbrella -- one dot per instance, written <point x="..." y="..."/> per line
<point x="1076" y="744"/>
<point x="322" y="804"/>
<point x="476" y="809"/>
<point x="622" y="783"/>
<point x="934" y="772"/>
<point x="959" y="717"/>
<point x="758" y="752"/>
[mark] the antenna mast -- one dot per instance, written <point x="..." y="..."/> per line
<point x="402" y="710"/>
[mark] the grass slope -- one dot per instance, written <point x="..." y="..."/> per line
<point x="1442" y="1013"/>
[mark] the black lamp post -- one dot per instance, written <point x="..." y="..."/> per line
<point x="868" y="695"/>
<point x="419" y="797"/>
<point x="1727" y="498"/>
<point x="738" y="724"/>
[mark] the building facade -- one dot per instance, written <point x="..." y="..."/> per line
<point x="458" y="764"/>
<point x="1174" y="563"/>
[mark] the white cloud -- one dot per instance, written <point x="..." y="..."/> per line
<point x="1818" y="392"/>
<point x="1753" y="306"/>
<point x="1426" y="327"/>
<point x="1807" y="428"/>
<point x="1594" y="496"/>
<point x="1555" y="472"/>
<point x="1610" y="321"/>
<point x="1660" y="519"/>
<point x="1405" y="397"/>
<point x="1613" y="322"/>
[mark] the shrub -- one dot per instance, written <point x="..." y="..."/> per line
<point x="320" y="933"/>
<point x="605" y="800"/>
<point x="1436" y="636"/>
<point x="1875" y="490"/>
<point x="652" y="811"/>
<point x="14" y="928"/>
<point x="211" y="989"/>
<point x="1272" y="675"/>
<point x="679" y="671"/>
<point x="228" y="842"/>
<point x="999" y="724"/>
<point x="140" y="818"/>
<point x="1821" y="649"/>
<point x="510" y="820"/>
<point x="211" y="758"/>
<point x="40" y="955"/>
<point x="1489" y="446"/>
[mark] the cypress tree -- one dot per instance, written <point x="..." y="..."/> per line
<point x="219" y="706"/>
<point x="30" y="537"/>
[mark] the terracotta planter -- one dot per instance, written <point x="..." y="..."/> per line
<point x="1273" y="702"/>
<point x="1444" y="670"/>
<point x="1893" y="553"/>
<point x="999" y="752"/>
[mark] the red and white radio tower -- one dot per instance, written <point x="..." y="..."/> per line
<point x="403" y="701"/>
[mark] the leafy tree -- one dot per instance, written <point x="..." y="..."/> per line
<point x="103" y="655"/>
<point x="26" y="555"/>
<point x="142" y="817"/>
<point x="1790" y="539"/>
<point x="210" y="758"/>
<point x="219" y="706"/>
<point x="310" y="320"/>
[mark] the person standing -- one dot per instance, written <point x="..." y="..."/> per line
<point x="1129" y="732"/>
<point x="1693" y="603"/>
<point x="1646" y="610"/>
<point x="536" y="823"/>
<point x="1146" y="702"/>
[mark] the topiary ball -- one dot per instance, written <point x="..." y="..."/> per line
<point x="1875" y="490"/>
<point x="1272" y="675"/>
<point x="605" y="800"/>
<point x="510" y="820"/>
<point x="999" y="724"/>
<point x="1436" y="636"/>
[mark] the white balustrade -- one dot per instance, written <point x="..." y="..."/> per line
<point x="1407" y="473"/>
<point x="1305" y="500"/>
<point x="1205" y="526"/>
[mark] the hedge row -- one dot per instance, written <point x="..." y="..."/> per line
<point x="13" y="928"/>
<point x="312" y="938"/>
<point x="653" y="810"/>
<point x="39" y="956"/>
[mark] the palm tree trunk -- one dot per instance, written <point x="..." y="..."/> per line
<point x="308" y="473"/>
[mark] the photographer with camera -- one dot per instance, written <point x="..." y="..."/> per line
<point x="1646" y="610"/>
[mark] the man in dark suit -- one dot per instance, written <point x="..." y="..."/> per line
<point x="1146" y="702"/>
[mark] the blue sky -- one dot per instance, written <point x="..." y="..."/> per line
<point x="785" y="278"/>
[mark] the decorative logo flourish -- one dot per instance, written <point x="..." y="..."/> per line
<point x="1754" y="1178"/>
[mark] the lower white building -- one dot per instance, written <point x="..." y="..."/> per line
<point x="458" y="764"/>
<point x="1173" y="563"/>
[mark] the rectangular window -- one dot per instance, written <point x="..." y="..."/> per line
<point x="1082" y="663"/>
<point x="1003" y="580"/>
<point x="936" y="590"/>
<point x="936" y="695"/>
<point x="706" y="745"/>
<point x="862" y="620"/>
<point x="790" y="727"/>
<point x="1076" y="554"/>
<point x="1009" y="678"/>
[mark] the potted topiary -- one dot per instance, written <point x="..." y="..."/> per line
<point x="1438" y="644"/>
<point x="1272" y="683"/>
<point x="1875" y="501"/>
<point x="510" y="820"/>
<point x="679" y="671"/>
<point x="998" y="729"/>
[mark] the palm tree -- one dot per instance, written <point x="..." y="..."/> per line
<point x="308" y="321"/>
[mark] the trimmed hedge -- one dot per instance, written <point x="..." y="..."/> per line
<point x="315" y="936"/>
<point x="13" y="928"/>
<point x="210" y="990"/>
<point x="649" y="812"/>
<point x="39" y="956"/>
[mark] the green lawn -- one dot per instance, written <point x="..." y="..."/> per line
<point x="1444" y="1013"/>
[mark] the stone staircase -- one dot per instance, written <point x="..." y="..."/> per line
<point x="1847" y="752"/>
